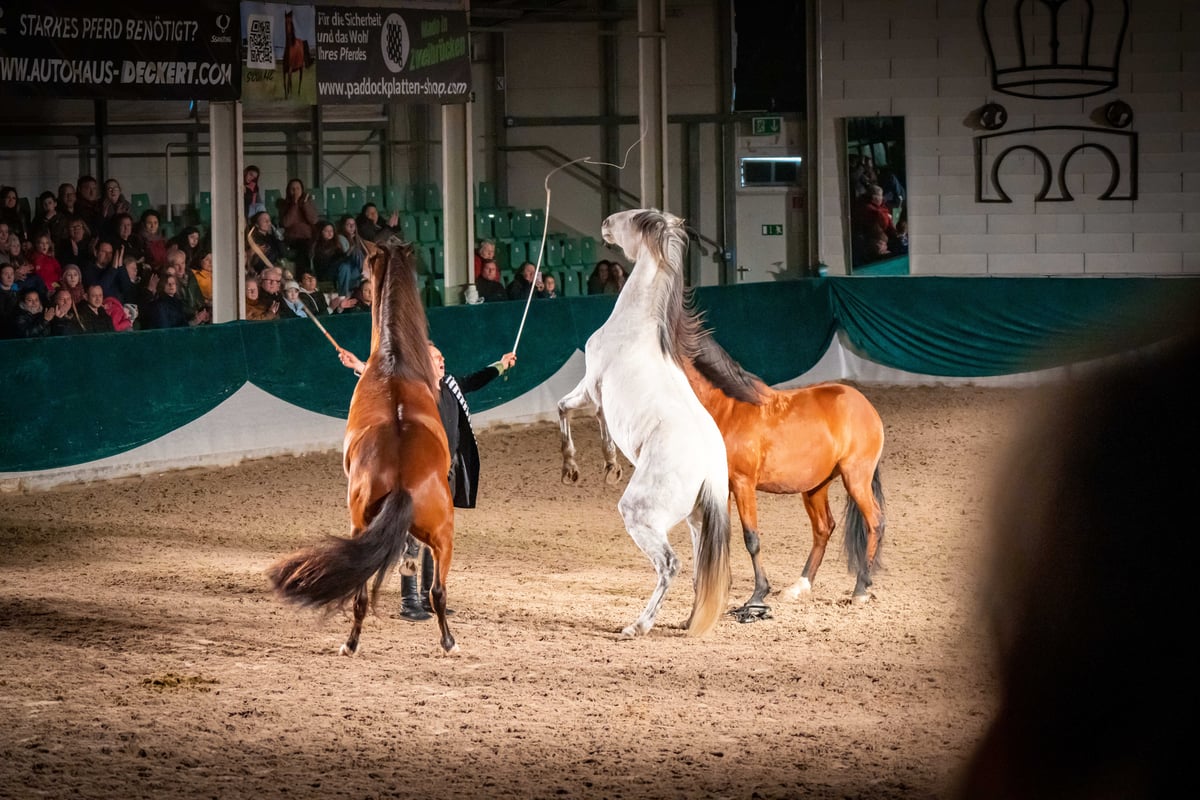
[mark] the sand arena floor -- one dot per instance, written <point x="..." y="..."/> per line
<point x="142" y="654"/>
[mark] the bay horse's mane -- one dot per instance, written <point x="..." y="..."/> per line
<point x="399" y="329"/>
<point x="681" y="330"/>
<point x="718" y="368"/>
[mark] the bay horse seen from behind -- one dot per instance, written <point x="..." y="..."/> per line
<point x="796" y="441"/>
<point x="396" y="460"/>
<point x="635" y="382"/>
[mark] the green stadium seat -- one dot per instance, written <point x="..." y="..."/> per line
<point x="427" y="228"/>
<point x="435" y="290"/>
<point x="272" y="199"/>
<point x="485" y="195"/>
<point x="375" y="195"/>
<point x="554" y="252"/>
<point x="394" y="198"/>
<point x="570" y="284"/>
<point x="356" y="198"/>
<point x="516" y="252"/>
<point x="437" y="259"/>
<point x="433" y="197"/>
<point x="335" y="202"/>
<point x="501" y="224"/>
<point x="570" y="252"/>
<point x="521" y="224"/>
<point x="414" y="198"/>
<point x="204" y="208"/>
<point x="587" y="251"/>
<point x="407" y="223"/>
<point x="483" y="226"/>
<point x="139" y="203"/>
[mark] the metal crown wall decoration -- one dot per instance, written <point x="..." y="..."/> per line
<point x="1055" y="50"/>
<point x="1033" y="52"/>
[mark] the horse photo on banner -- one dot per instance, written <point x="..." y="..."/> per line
<point x="278" y="55"/>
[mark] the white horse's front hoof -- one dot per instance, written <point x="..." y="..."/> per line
<point x="860" y="599"/>
<point x="802" y="588"/>
<point x="570" y="475"/>
<point x="632" y="631"/>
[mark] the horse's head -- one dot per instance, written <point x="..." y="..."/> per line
<point x="643" y="228"/>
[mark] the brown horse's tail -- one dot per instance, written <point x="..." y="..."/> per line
<point x="713" y="577"/>
<point x="333" y="571"/>
<point x="856" y="530"/>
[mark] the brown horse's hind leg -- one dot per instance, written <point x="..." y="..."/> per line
<point x="816" y="503"/>
<point x="865" y="528"/>
<point x="360" y="611"/>
<point x="442" y="548"/>
<point x="746" y="498"/>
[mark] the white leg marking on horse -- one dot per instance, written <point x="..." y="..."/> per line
<point x="802" y="588"/>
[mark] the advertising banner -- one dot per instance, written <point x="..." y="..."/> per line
<point x="392" y="55"/>
<point x="133" y="50"/>
<point x="278" y="55"/>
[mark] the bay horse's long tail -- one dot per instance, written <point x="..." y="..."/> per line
<point x="333" y="571"/>
<point x="713" y="576"/>
<point x="857" y="531"/>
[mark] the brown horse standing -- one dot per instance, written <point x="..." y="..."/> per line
<point x="796" y="442"/>
<point x="293" y="55"/>
<point x="396" y="459"/>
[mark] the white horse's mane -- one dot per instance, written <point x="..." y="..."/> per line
<point x="663" y="241"/>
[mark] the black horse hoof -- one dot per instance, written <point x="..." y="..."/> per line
<point x="751" y="613"/>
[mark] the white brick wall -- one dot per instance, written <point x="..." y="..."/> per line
<point x="926" y="61"/>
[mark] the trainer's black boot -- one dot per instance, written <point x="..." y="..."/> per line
<point x="427" y="580"/>
<point x="411" y="606"/>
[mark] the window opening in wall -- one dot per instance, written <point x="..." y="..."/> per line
<point x="770" y="171"/>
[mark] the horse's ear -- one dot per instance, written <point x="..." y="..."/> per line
<point x="371" y="248"/>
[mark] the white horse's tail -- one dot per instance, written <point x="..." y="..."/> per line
<point x="713" y="576"/>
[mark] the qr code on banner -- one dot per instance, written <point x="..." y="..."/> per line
<point x="259" y="52"/>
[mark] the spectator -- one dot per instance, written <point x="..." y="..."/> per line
<point x="872" y="228"/>
<point x="66" y="201"/>
<point x="262" y="237"/>
<point x="523" y="282"/>
<point x="112" y="204"/>
<point x="187" y="290"/>
<point x="349" y="274"/>
<point x="167" y="310"/>
<point x="48" y="219"/>
<point x="4" y="238"/>
<point x="371" y="228"/>
<point x="26" y="277"/>
<point x="616" y="278"/>
<point x="93" y="316"/>
<point x="128" y="283"/>
<point x="550" y="288"/>
<point x="87" y="203"/>
<point x="255" y="309"/>
<point x="188" y="243"/>
<point x="297" y="216"/>
<point x="72" y="281"/>
<point x="10" y="298"/>
<point x="11" y="214"/>
<point x="292" y="306"/>
<point x="122" y="238"/>
<point x="488" y="283"/>
<point x="315" y="301"/>
<point x="123" y="317"/>
<point x="14" y="252"/>
<point x="77" y="246"/>
<point x="65" y="321"/>
<point x="154" y="244"/>
<point x="893" y="193"/>
<point x="202" y="277"/>
<point x="485" y="251"/>
<point x="31" y="320"/>
<point x="599" y="277"/>
<point x="102" y="266"/>
<point x="252" y="197"/>
<point x="270" y="287"/>
<point x="327" y="252"/>
<point x="45" y="264"/>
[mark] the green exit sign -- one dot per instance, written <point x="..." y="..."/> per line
<point x="772" y="230"/>
<point x="765" y="126"/>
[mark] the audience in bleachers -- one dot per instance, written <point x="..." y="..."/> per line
<point x="297" y="218"/>
<point x="122" y="237"/>
<point x="101" y="264"/>
<point x="48" y="268"/>
<point x="154" y="244"/>
<point x="93" y="316"/>
<point x="349" y="270"/>
<point x="12" y="215"/>
<point x="47" y="218"/>
<point x="252" y="196"/>
<point x="31" y="320"/>
<point x="66" y="201"/>
<point x="255" y="309"/>
<point x="65" y="321"/>
<point x="112" y="203"/>
<point x="87" y="203"/>
<point x="72" y="281"/>
<point x="488" y="283"/>
<point x="202" y="276"/>
<point x="372" y="228"/>
<point x="263" y="236"/>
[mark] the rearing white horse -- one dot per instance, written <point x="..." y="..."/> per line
<point x="645" y="406"/>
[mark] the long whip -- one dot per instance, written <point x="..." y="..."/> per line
<point x="546" y="224"/>
<point x="258" y="251"/>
